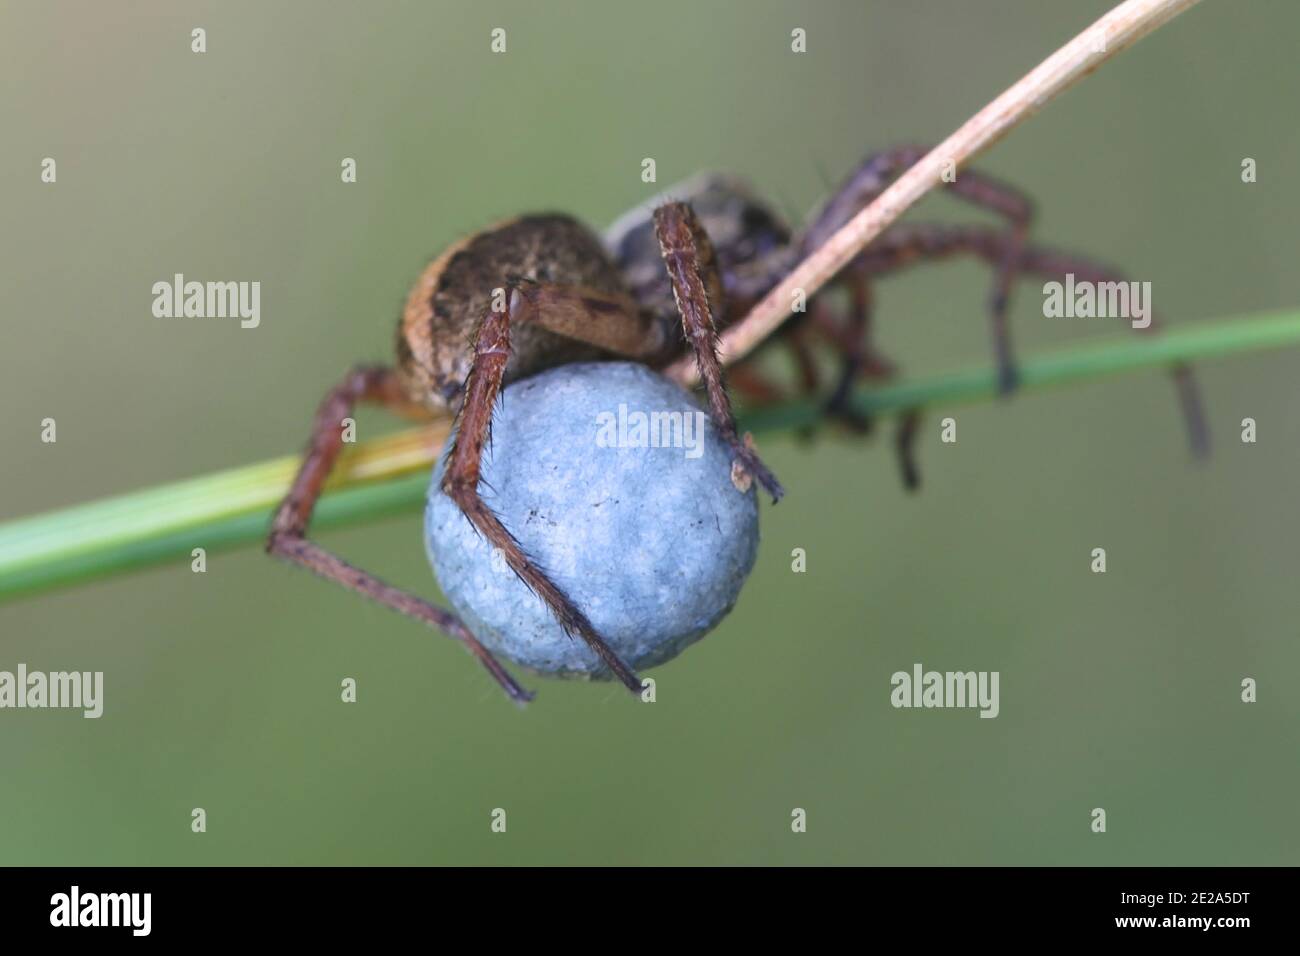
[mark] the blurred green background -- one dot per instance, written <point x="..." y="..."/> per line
<point x="1118" y="691"/>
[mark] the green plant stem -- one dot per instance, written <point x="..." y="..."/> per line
<point x="390" y="475"/>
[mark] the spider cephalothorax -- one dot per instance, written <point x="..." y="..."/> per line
<point x="751" y="241"/>
<point x="540" y="291"/>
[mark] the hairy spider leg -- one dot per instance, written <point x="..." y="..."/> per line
<point x="692" y="266"/>
<point x="909" y="244"/>
<point x="288" y="536"/>
<point x="587" y="315"/>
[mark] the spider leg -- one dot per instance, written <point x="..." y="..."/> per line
<point x="795" y="336"/>
<point x="909" y="424"/>
<point x="560" y="309"/>
<point x="1007" y="250"/>
<point x="907" y="244"/>
<point x="862" y="186"/>
<point x="871" y="178"/>
<point x="288" y="536"/>
<point x="855" y="350"/>
<point x="848" y="339"/>
<point x="1017" y="208"/>
<point x="861" y="360"/>
<point x="609" y="321"/>
<point x="697" y="289"/>
<point x="801" y="349"/>
<point x="755" y="386"/>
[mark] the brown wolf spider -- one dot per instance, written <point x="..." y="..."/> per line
<point x="543" y="290"/>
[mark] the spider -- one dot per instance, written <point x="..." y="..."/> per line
<point x="543" y="290"/>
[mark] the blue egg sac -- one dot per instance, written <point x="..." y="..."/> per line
<point x="618" y="485"/>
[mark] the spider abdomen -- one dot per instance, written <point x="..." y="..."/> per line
<point x="455" y="291"/>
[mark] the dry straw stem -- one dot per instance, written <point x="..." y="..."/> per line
<point x="1116" y="31"/>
